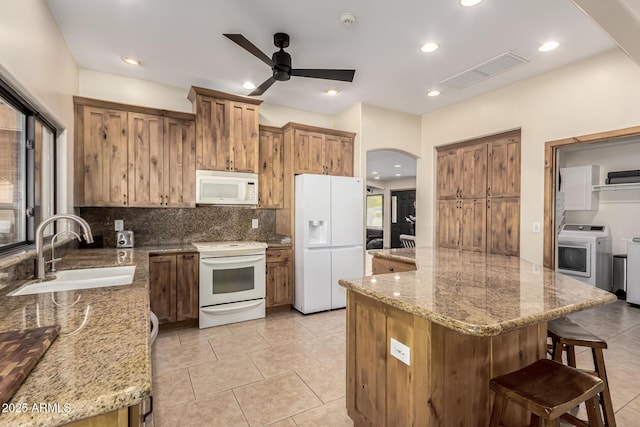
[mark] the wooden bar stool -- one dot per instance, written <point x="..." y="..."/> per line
<point x="565" y="335"/>
<point x="547" y="389"/>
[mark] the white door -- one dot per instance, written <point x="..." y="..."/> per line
<point x="346" y="263"/>
<point x="313" y="292"/>
<point x="347" y="211"/>
<point x="313" y="210"/>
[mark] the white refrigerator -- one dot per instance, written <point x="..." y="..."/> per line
<point x="329" y="239"/>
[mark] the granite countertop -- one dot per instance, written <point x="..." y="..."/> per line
<point x="476" y="293"/>
<point x="96" y="368"/>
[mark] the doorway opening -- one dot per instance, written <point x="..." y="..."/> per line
<point x="391" y="195"/>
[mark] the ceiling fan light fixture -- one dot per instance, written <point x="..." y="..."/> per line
<point x="131" y="60"/>
<point x="348" y="19"/>
<point x="248" y="85"/>
<point x="398" y="174"/>
<point x="469" y="3"/>
<point x="433" y="93"/>
<point x="548" y="46"/>
<point x="332" y="92"/>
<point x="429" y="47"/>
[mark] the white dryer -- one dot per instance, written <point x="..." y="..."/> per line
<point x="584" y="252"/>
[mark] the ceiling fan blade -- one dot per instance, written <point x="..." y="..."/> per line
<point x="342" y="75"/>
<point x="263" y="87"/>
<point x="242" y="41"/>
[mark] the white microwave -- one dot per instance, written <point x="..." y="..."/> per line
<point x="226" y="188"/>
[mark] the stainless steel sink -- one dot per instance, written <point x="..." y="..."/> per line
<point x="88" y="278"/>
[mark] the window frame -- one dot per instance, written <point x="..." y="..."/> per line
<point x="32" y="115"/>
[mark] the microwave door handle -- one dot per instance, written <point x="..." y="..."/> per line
<point x="222" y="260"/>
<point x="235" y="308"/>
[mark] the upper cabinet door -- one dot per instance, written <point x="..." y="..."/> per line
<point x="243" y="137"/>
<point x="449" y="174"/>
<point x="338" y="156"/>
<point x="180" y="163"/>
<point x="146" y="160"/>
<point x="213" y="118"/>
<point x="504" y="168"/>
<point x="474" y="172"/>
<point x="309" y="152"/>
<point x="104" y="145"/>
<point x="271" y="175"/>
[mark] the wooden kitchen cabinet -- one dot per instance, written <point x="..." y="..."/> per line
<point x="321" y="151"/>
<point x="133" y="156"/>
<point x="503" y="226"/>
<point x="101" y="157"/>
<point x="173" y="287"/>
<point x="383" y="266"/>
<point x="279" y="277"/>
<point x="471" y="177"/>
<point x="504" y="167"/>
<point x="271" y="175"/>
<point x="226" y="130"/>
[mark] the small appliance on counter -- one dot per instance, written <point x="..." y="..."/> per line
<point x="124" y="239"/>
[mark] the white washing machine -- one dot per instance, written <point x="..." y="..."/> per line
<point x="584" y="252"/>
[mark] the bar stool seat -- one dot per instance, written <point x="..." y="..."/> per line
<point x="565" y="335"/>
<point x="547" y="389"/>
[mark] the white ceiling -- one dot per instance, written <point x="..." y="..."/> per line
<point x="384" y="162"/>
<point x="181" y="44"/>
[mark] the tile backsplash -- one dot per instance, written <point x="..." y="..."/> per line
<point x="174" y="226"/>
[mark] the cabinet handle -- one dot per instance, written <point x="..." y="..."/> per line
<point x="227" y="163"/>
<point x="488" y="204"/>
<point x="391" y="269"/>
<point x="166" y="199"/>
<point x="187" y="256"/>
<point x="124" y="201"/>
<point x="230" y="164"/>
<point x="488" y="191"/>
<point x="161" y="203"/>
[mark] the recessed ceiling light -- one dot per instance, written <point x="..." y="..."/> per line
<point x="376" y="177"/>
<point x="332" y="92"/>
<point x="469" y="3"/>
<point x="248" y="85"/>
<point x="374" y="173"/>
<point x="429" y="47"/>
<point x="131" y="60"/>
<point x="550" y="45"/>
<point x="397" y="166"/>
<point x="398" y="174"/>
<point x="433" y="93"/>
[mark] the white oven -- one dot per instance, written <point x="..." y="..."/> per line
<point x="232" y="282"/>
<point x="584" y="252"/>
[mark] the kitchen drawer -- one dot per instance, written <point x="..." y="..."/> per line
<point x="279" y="255"/>
<point x="382" y="266"/>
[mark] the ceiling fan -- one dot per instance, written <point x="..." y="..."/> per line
<point x="280" y="63"/>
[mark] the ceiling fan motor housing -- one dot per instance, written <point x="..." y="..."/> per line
<point x="282" y="69"/>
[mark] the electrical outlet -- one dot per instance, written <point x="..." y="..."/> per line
<point x="254" y="223"/>
<point x="536" y="227"/>
<point x="400" y="352"/>
<point x="118" y="225"/>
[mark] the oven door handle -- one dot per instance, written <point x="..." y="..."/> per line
<point x="230" y="260"/>
<point x="235" y="308"/>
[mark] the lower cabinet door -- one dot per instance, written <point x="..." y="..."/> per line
<point x="279" y="285"/>
<point x="162" y="287"/>
<point x="187" y="286"/>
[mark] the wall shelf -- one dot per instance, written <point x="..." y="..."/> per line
<point x="616" y="187"/>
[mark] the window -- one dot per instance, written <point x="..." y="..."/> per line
<point x="27" y="170"/>
<point x="374" y="211"/>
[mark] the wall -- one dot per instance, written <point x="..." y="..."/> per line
<point x="589" y="96"/>
<point x="275" y="115"/>
<point x="389" y="186"/>
<point x="35" y="59"/>
<point x="619" y="210"/>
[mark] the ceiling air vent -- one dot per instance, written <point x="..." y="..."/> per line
<point x="484" y="70"/>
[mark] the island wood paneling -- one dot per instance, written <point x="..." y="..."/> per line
<point x="447" y="383"/>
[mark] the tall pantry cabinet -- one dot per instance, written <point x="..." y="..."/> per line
<point x="478" y="195"/>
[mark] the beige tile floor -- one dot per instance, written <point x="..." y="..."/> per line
<point x="289" y="370"/>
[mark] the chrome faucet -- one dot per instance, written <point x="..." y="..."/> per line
<point x="39" y="262"/>
<point x="53" y="259"/>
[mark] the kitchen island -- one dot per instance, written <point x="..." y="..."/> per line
<point x="100" y="364"/>
<point x="464" y="318"/>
